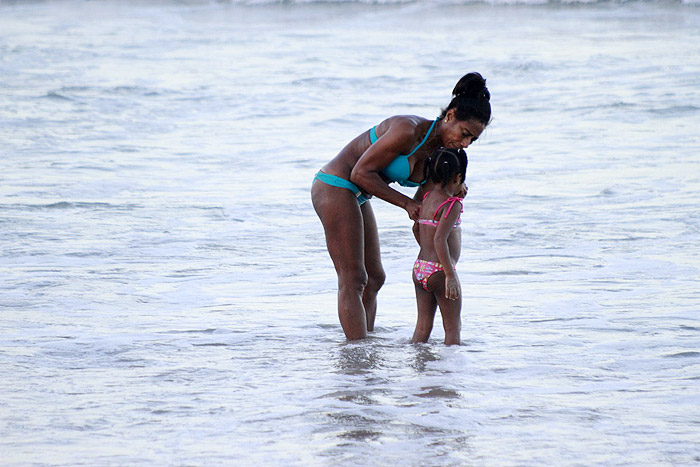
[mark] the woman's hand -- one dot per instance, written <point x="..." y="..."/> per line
<point x="412" y="207"/>
<point x="463" y="191"/>
<point x="452" y="288"/>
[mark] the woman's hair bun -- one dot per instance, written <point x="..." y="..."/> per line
<point x="473" y="86"/>
<point x="470" y="99"/>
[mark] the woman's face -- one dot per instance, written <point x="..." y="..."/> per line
<point x="459" y="134"/>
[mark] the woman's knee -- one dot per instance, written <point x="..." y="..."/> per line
<point x="354" y="281"/>
<point x="375" y="280"/>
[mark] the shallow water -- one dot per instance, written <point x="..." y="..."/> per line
<point x="166" y="296"/>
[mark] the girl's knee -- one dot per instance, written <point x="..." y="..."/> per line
<point x="422" y="331"/>
<point x="452" y="332"/>
<point x="452" y="339"/>
<point x="452" y="328"/>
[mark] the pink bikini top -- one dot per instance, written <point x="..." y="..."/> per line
<point x="451" y="201"/>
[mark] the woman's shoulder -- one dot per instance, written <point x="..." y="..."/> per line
<point x="400" y="126"/>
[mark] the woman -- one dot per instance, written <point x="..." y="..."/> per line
<point x="393" y="151"/>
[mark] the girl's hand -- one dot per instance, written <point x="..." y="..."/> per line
<point x="452" y="288"/>
<point x="413" y="209"/>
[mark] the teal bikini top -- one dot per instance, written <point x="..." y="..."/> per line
<point x="399" y="170"/>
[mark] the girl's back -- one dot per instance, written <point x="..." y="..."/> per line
<point x="437" y="204"/>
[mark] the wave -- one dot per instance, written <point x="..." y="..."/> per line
<point x="68" y="92"/>
<point x="386" y="2"/>
<point x="449" y="2"/>
<point x="675" y="109"/>
<point x="452" y="2"/>
<point x="66" y="205"/>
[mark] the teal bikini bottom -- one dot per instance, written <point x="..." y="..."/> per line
<point x="333" y="180"/>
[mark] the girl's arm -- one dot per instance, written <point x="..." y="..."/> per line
<point x="452" y="287"/>
<point x="379" y="155"/>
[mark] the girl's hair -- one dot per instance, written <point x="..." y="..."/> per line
<point x="444" y="163"/>
<point x="471" y="99"/>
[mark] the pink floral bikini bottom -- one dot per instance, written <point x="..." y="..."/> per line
<point x="423" y="269"/>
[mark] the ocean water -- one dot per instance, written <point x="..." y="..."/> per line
<point x="165" y="293"/>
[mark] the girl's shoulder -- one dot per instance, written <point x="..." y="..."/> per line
<point x="448" y="204"/>
<point x="435" y="194"/>
<point x="431" y="202"/>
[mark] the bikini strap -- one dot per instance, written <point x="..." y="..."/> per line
<point x="373" y="135"/>
<point x="430" y="130"/>
<point x="451" y="201"/>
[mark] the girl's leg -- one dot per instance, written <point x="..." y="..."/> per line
<point x="449" y="309"/>
<point x="373" y="265"/>
<point x="426" y="312"/>
<point x="451" y="319"/>
<point x="343" y="225"/>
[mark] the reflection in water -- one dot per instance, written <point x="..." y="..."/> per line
<point x="438" y="393"/>
<point x="424" y="353"/>
<point x="388" y="394"/>
<point x="356" y="416"/>
<point x="361" y="435"/>
<point x="358" y="358"/>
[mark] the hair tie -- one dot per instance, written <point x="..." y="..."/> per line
<point x="482" y="93"/>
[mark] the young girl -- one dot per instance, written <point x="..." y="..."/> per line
<point x="439" y="236"/>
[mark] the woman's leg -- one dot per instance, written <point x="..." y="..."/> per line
<point x="342" y="222"/>
<point x="426" y="312"/>
<point x="373" y="265"/>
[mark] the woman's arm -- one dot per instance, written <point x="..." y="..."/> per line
<point x="379" y="155"/>
<point x="418" y="197"/>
